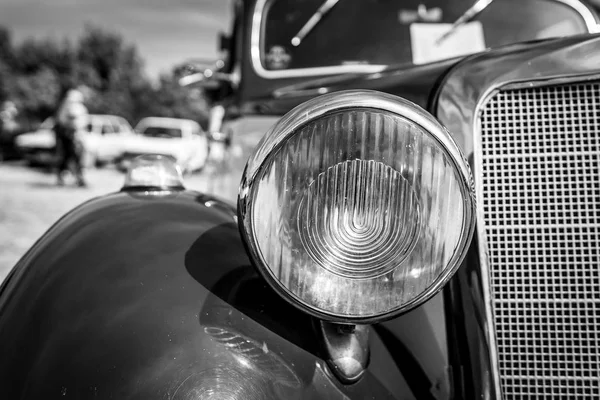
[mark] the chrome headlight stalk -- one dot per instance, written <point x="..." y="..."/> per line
<point x="357" y="206"/>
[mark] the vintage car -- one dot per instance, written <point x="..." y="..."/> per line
<point x="102" y="141"/>
<point x="181" y="139"/>
<point x="422" y="222"/>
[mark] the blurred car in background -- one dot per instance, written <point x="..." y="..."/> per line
<point x="103" y="143"/>
<point x="181" y="139"/>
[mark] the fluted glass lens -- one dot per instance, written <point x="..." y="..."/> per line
<point x="358" y="213"/>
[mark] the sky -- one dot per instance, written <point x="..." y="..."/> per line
<point x="166" y="32"/>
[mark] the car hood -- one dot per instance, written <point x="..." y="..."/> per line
<point x="38" y="139"/>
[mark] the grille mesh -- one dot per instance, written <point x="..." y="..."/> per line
<point x="541" y="207"/>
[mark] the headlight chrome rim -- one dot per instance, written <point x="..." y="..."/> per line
<point x="323" y="106"/>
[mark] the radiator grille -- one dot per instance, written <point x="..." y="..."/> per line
<point x="541" y="207"/>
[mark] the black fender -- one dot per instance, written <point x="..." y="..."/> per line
<point x="137" y="295"/>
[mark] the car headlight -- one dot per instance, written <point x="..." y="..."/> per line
<point x="357" y="206"/>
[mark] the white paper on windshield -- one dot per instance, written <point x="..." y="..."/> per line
<point x="466" y="39"/>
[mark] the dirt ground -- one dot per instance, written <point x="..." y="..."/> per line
<point x="30" y="202"/>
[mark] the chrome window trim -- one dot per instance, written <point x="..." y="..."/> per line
<point x="255" y="36"/>
<point x="585" y="13"/>
<point x="298" y="72"/>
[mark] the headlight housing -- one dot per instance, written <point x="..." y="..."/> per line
<point x="357" y="206"/>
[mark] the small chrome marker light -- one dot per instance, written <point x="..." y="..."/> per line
<point x="357" y="206"/>
<point x="153" y="172"/>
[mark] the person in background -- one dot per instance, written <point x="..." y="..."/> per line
<point x="71" y="120"/>
<point x="9" y="128"/>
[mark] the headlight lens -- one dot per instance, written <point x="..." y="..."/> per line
<point x="360" y="210"/>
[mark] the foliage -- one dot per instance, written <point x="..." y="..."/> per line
<point x="37" y="92"/>
<point x="6" y="63"/>
<point x="35" y="72"/>
<point x="172" y="100"/>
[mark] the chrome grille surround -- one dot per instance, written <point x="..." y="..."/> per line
<point x="539" y="197"/>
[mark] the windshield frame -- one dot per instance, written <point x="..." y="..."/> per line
<point x="256" y="36"/>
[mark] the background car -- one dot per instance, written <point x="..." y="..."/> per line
<point x="182" y="139"/>
<point x="103" y="141"/>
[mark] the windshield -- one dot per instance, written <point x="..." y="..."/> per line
<point x="162" y="132"/>
<point x="370" y="33"/>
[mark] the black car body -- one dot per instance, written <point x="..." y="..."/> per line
<point x="154" y="293"/>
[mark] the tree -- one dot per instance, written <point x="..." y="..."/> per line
<point x="169" y="99"/>
<point x="112" y="70"/>
<point x="37" y="71"/>
<point x="7" y="59"/>
<point x="36" y="54"/>
<point x="36" y="94"/>
<point x="113" y="62"/>
<point x="41" y="70"/>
